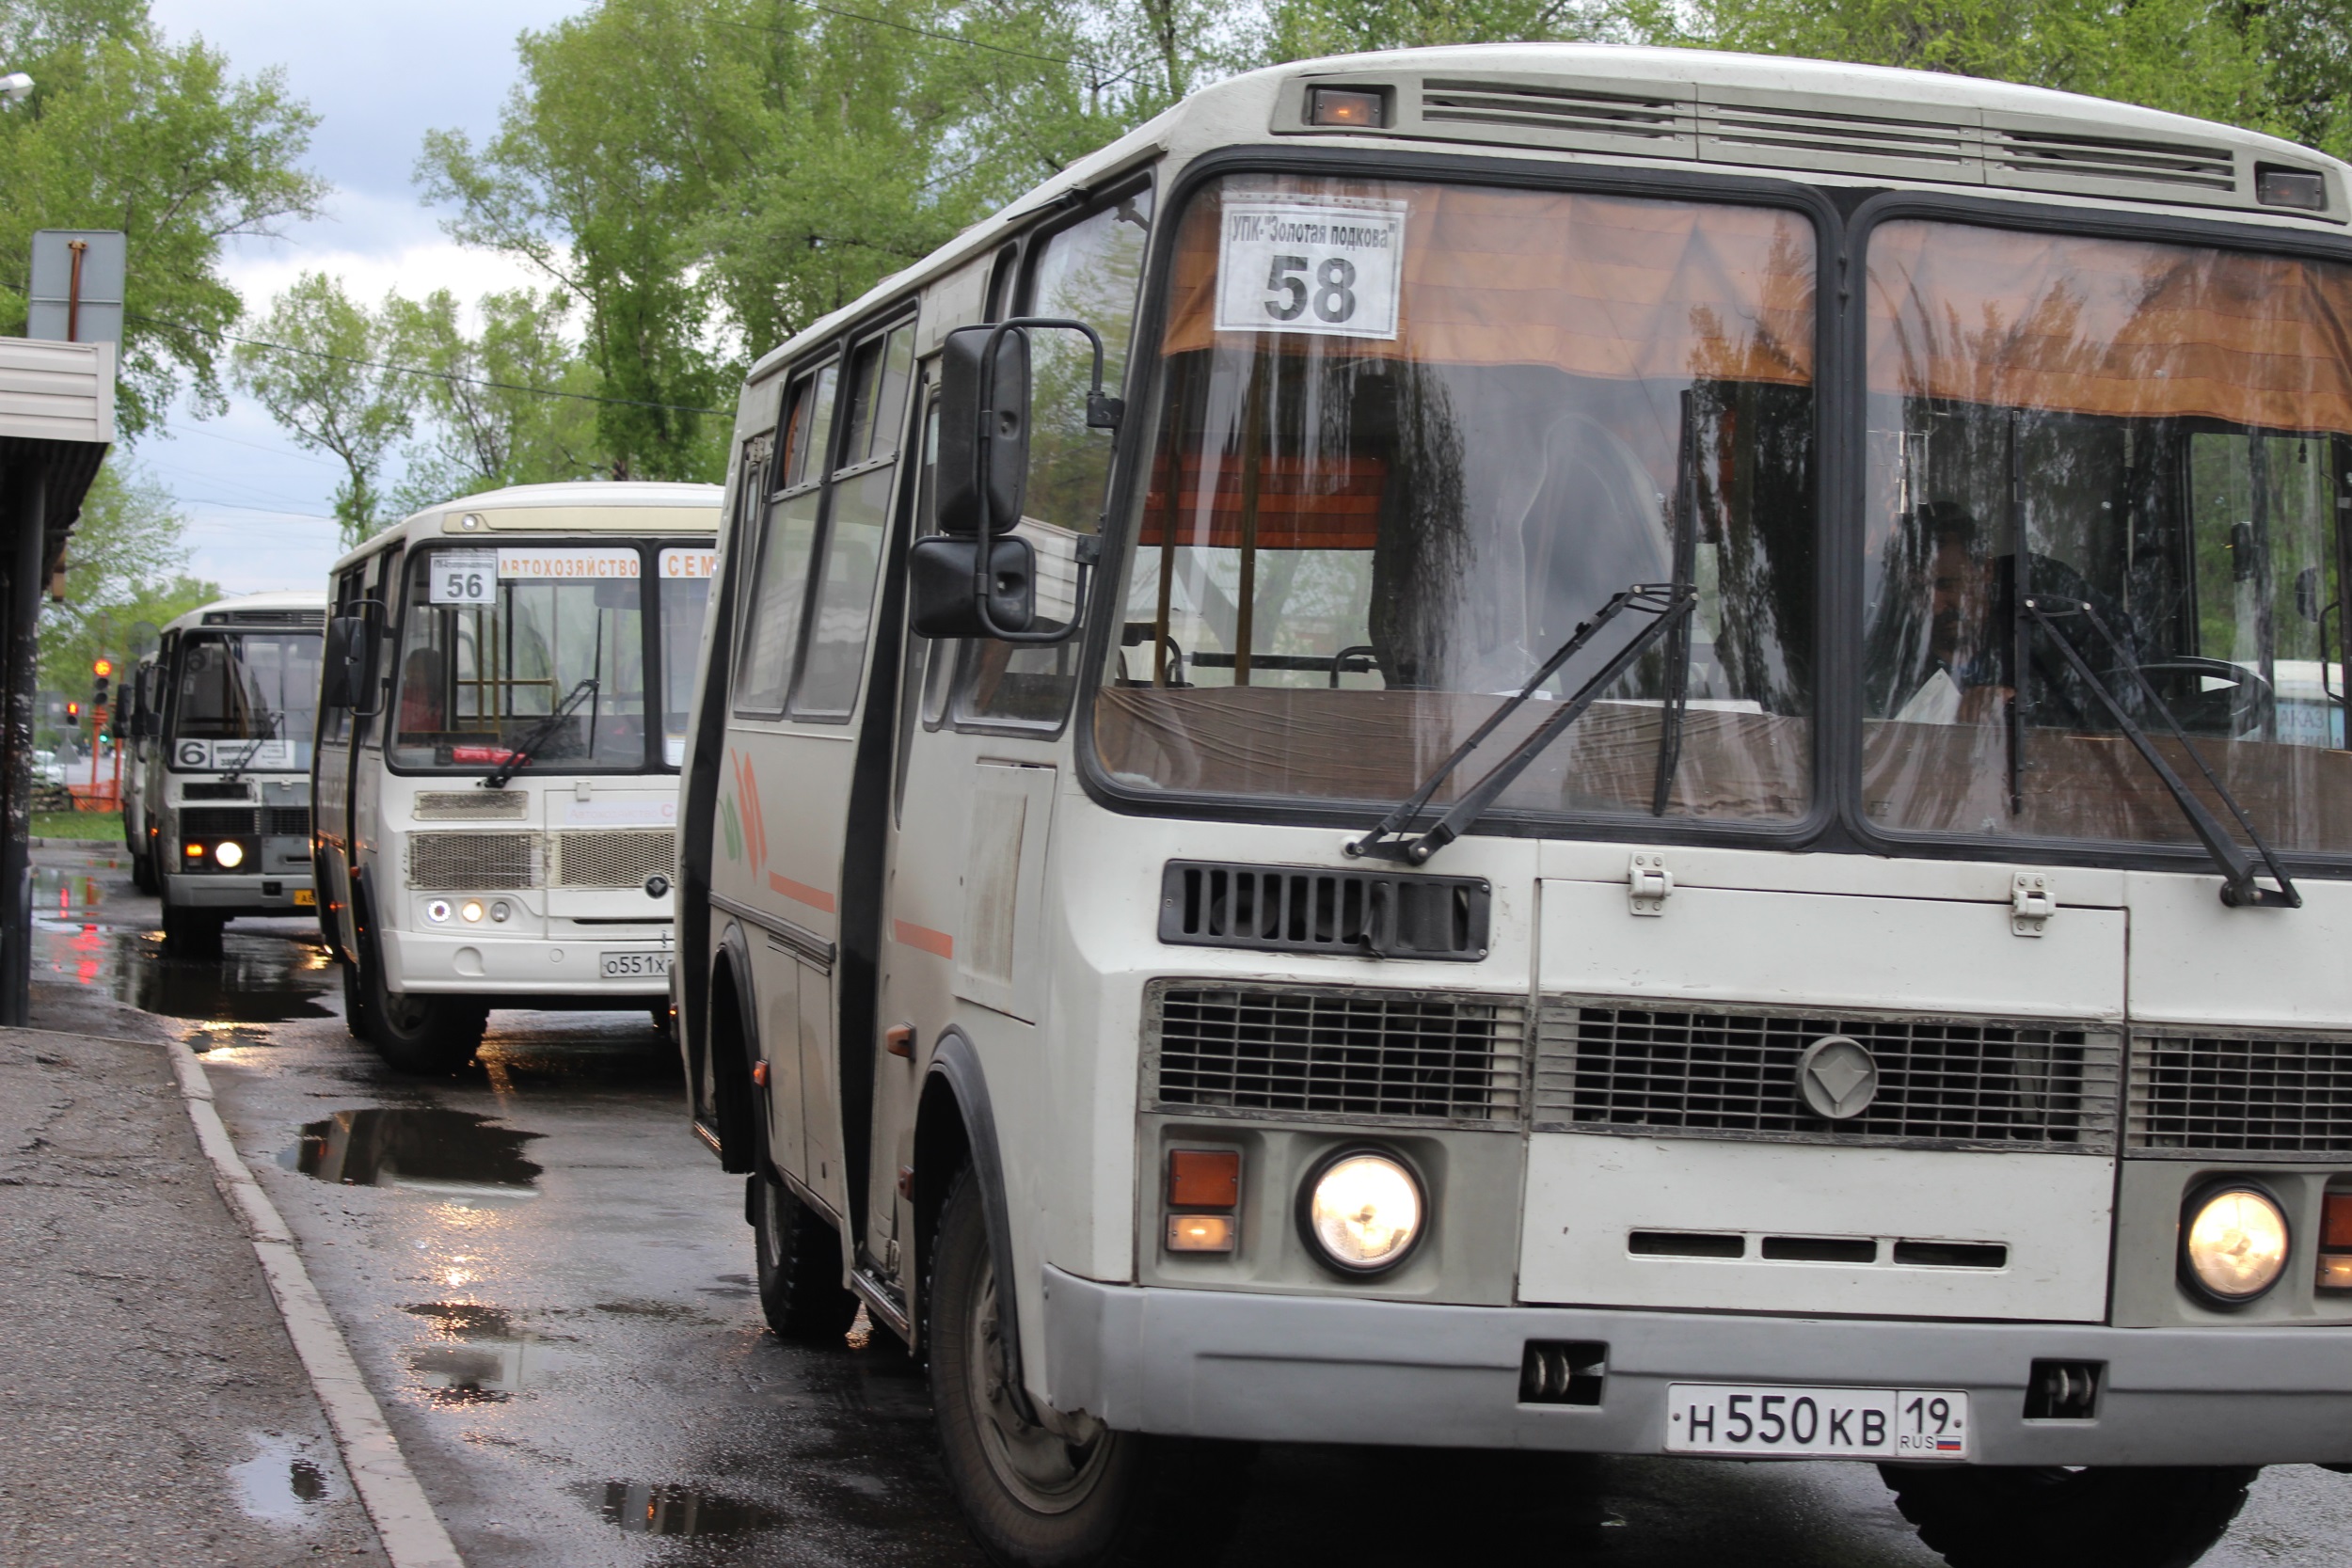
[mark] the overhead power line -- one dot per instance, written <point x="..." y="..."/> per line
<point x="418" y="370"/>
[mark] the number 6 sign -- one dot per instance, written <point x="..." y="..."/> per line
<point x="1331" y="267"/>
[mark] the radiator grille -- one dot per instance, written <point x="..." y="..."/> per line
<point x="205" y="821"/>
<point x="612" y="859"/>
<point x="1291" y="910"/>
<point x="472" y="805"/>
<point x="286" y="821"/>
<point x="1307" y="1051"/>
<point x="1619" y="1067"/>
<point x="2197" y="1095"/>
<point x="488" y="862"/>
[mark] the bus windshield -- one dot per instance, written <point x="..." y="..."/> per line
<point x="1409" y="437"/>
<point x="243" y="687"/>
<point x="2152" y="439"/>
<point x="496" y="641"/>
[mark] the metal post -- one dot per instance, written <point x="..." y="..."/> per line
<point x="25" y="509"/>
<point x="74" y="292"/>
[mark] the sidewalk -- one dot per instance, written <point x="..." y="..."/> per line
<point x="152" y="1407"/>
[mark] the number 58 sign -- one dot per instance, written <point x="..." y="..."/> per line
<point x="1327" y="267"/>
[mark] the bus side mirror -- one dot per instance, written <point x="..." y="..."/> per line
<point x="943" y="599"/>
<point x="983" y="430"/>
<point x="346" y="663"/>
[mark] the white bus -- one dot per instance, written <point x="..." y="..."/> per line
<point x="216" y="743"/>
<point x="500" y="724"/>
<point x="1653" y="766"/>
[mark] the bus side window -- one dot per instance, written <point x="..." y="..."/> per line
<point x="1089" y="271"/>
<point x="334" y="723"/>
<point x="881" y="369"/>
<point x="779" y="581"/>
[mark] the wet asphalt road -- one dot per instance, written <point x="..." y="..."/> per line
<point x="547" y="1281"/>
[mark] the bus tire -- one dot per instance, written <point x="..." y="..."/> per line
<point x="354" y="1000"/>
<point x="192" y="933"/>
<point x="423" y="1035"/>
<point x="1984" y="1516"/>
<point x="143" y="872"/>
<point x="1075" y="1494"/>
<point x="800" y="1266"/>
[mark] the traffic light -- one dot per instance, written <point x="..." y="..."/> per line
<point x="103" y="668"/>
<point x="72" y="716"/>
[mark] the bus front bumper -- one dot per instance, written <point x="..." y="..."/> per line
<point x="228" y="894"/>
<point x="1343" y="1370"/>
<point x="477" y="962"/>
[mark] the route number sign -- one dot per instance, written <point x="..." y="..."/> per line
<point x="463" y="576"/>
<point x="1329" y="267"/>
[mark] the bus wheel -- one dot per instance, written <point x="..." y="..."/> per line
<point x="1040" y="1489"/>
<point x="355" y="999"/>
<point x="418" y="1034"/>
<point x="1990" y="1517"/>
<point x="191" y="933"/>
<point x="800" y="1266"/>
<point x="143" y="872"/>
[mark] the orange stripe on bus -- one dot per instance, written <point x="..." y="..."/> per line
<point x="923" y="939"/>
<point x="801" y="893"/>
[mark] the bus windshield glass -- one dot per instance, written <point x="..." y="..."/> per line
<point x="2151" y="445"/>
<point x="685" y="578"/>
<point x="245" y="699"/>
<point x="494" y="640"/>
<point x="1409" y="437"/>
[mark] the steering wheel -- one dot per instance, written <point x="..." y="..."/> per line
<point x="2228" y="711"/>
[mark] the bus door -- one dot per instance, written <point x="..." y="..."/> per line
<point x="363" y="793"/>
<point x="801" y="657"/>
<point x="330" y="779"/>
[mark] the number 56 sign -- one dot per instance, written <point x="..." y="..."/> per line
<point x="1329" y="267"/>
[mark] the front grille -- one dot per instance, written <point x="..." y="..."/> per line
<point x="1277" y="909"/>
<point x="216" y="792"/>
<point x="1617" y="1068"/>
<point x="286" y="821"/>
<point x="486" y="863"/>
<point x="2193" y="1096"/>
<point x="472" y="805"/>
<point x="205" y="821"/>
<point x="612" y="859"/>
<point x="1328" y="1051"/>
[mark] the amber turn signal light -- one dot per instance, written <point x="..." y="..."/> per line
<point x="2335" y="1242"/>
<point x="1347" y="108"/>
<point x="1200" y="1233"/>
<point x="1204" y="1178"/>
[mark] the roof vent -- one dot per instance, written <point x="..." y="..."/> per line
<point x="1574" y="112"/>
<point x="2064" y="160"/>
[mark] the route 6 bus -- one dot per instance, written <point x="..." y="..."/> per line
<point x="1562" y="748"/>
<point x="216" y="742"/>
<point x="501" y="717"/>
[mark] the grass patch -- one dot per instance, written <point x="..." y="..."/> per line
<point x="98" y="826"/>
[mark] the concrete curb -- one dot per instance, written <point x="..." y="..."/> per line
<point x="404" y="1520"/>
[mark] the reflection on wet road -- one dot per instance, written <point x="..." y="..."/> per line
<point x="547" y="1282"/>
<point x="81" y="937"/>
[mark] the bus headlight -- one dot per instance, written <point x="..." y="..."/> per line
<point x="2235" y="1246"/>
<point x="228" y="856"/>
<point x="471" y="912"/>
<point x="1362" y="1210"/>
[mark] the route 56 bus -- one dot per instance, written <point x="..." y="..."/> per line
<point x="1562" y="748"/>
<point x="501" y="717"/>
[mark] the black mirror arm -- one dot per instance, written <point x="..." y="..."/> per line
<point x="1102" y="413"/>
<point x="2238" y="888"/>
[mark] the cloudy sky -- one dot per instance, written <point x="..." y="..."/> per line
<point x="380" y="75"/>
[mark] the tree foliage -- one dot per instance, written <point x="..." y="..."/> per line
<point x="483" y="427"/>
<point x="127" y="130"/>
<point x="126" y="568"/>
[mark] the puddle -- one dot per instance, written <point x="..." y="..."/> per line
<point x="289" y="1481"/>
<point x="258" y="979"/>
<point x="454" y="1156"/>
<point x="478" y="1355"/>
<point x="660" y="1509"/>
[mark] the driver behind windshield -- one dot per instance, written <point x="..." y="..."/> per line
<point x="1966" y="681"/>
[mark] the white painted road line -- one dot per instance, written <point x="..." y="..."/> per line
<point x="404" y="1520"/>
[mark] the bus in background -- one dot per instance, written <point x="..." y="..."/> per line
<point x="501" y="720"/>
<point x="138" y="732"/>
<point x="1553" y="747"/>
<point x="226" y="710"/>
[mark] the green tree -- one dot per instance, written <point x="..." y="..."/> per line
<point x="482" y="428"/>
<point x="127" y="130"/>
<point x="1300" y="29"/>
<point x="126" y="564"/>
<point x="317" y="362"/>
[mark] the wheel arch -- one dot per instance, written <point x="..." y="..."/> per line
<point x="718" y="1077"/>
<point x="955" y="1126"/>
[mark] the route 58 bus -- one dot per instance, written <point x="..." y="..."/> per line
<point x="1563" y="748"/>
<point x="501" y="719"/>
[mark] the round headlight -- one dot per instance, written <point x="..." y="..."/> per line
<point x="230" y="855"/>
<point x="437" y="910"/>
<point x="471" y="910"/>
<point x="1362" y="1211"/>
<point x="2235" y="1243"/>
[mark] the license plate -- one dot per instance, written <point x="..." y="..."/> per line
<point x="306" y="898"/>
<point x="624" y="966"/>
<point x="1816" y="1423"/>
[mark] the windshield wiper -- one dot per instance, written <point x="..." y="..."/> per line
<point x="238" y="769"/>
<point x="521" y="751"/>
<point x="1669" y="602"/>
<point x="2238" y="888"/>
